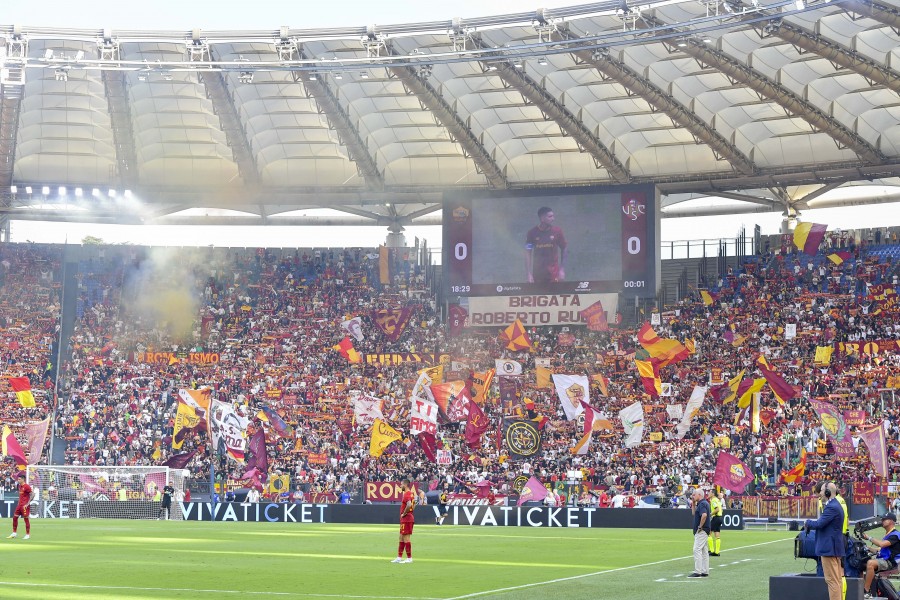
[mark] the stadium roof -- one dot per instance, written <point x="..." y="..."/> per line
<point x="771" y="105"/>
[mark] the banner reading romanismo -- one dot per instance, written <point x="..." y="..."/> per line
<point x="547" y="309"/>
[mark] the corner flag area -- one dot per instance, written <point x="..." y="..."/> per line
<point x="147" y="559"/>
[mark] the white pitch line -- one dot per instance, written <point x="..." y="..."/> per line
<point x="574" y="577"/>
<point x="202" y="591"/>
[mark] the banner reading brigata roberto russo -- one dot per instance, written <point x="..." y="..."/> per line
<point x="536" y="309"/>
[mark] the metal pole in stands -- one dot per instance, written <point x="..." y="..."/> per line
<point x="59" y="343"/>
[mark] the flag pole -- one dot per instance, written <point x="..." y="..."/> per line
<point x="59" y="343"/>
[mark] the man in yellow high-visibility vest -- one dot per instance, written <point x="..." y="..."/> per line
<point x="716" y="508"/>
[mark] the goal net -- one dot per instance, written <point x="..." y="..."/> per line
<point x="104" y="492"/>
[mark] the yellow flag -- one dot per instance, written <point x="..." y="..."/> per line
<point x="382" y="436"/>
<point x="543" y="377"/>
<point x="435" y="373"/>
<point x="481" y="381"/>
<point x="185" y="418"/>
<point x="747" y="396"/>
<point x="823" y="355"/>
<point x="707" y="299"/>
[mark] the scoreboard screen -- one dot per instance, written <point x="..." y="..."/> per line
<point x="551" y="242"/>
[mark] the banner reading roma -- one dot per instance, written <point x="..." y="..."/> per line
<point x="871" y="347"/>
<point x="550" y="309"/>
<point x="165" y="358"/>
<point x="384" y="491"/>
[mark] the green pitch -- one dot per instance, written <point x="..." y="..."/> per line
<point x="153" y="560"/>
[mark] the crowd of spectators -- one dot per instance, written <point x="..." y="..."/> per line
<point x="271" y="320"/>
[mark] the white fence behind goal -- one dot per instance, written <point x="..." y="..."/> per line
<point x="104" y="492"/>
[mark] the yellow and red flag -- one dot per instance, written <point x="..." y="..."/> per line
<point x="808" y="236"/>
<point x="707" y="297"/>
<point x="747" y="389"/>
<point x="840" y="257"/>
<point x="22" y="387"/>
<point x="797" y="472"/>
<point x="649" y="372"/>
<point x="12" y="448"/>
<point x="665" y="351"/>
<point x="383" y="435"/>
<point x="348" y="351"/>
<point x="515" y="338"/>
<point x="782" y="389"/>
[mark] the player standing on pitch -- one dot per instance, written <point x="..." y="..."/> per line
<point x="407" y="520"/>
<point x="545" y="250"/>
<point x="26" y="495"/>
<point x="166" y="507"/>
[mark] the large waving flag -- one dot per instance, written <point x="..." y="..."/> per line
<point x="392" y="322"/>
<point x="649" y="372"/>
<point x="11" y="447"/>
<point x="481" y="383"/>
<point x="725" y="393"/>
<point x="270" y="416"/>
<point x="383" y="435"/>
<point x="632" y="418"/>
<point x="823" y="355"/>
<point x="22" y="387"/>
<point x="366" y="409"/>
<point x="875" y="442"/>
<point x="458" y="409"/>
<point x="592" y="423"/>
<point x="476" y="425"/>
<point x="532" y="491"/>
<point x="782" y="390"/>
<point x="808" y="236"/>
<point x="523" y="438"/>
<point x="258" y="459"/>
<point x="192" y="413"/>
<point x="35" y="436"/>
<point x="837" y="430"/>
<point x="731" y="473"/>
<point x="354" y="327"/>
<point x="797" y="472"/>
<point x="690" y="410"/>
<point x="595" y="317"/>
<point x="515" y="338"/>
<point x="345" y="347"/>
<point x="573" y="391"/>
<point x="665" y="351"/>
<point x="746" y="390"/>
<point x="504" y="366"/>
<point x="706" y="297"/>
<point x="423" y="416"/>
<point x="838" y="258"/>
<point x="228" y="429"/>
<point x="180" y="461"/>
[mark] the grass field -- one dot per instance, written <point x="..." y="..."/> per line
<point x="153" y="560"/>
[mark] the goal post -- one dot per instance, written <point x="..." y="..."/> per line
<point x="95" y="492"/>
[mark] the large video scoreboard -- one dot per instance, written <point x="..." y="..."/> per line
<point x="552" y="242"/>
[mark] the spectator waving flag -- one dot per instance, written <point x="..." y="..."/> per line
<point x="476" y="425"/>
<point x="12" y="448"/>
<point x="797" y="472"/>
<point x="515" y="338"/>
<point x="573" y="391"/>
<point x="345" y="347"/>
<point x="504" y="366"/>
<point x="35" y="436"/>
<point x="532" y="491"/>
<point x="383" y="435"/>
<point x="22" y="387"/>
<point x="808" y="236"/>
<point x="180" y="461"/>
<point x="840" y="257"/>
<point x="690" y="410"/>
<point x="632" y="418"/>
<point x="649" y="372"/>
<point x="392" y="322"/>
<point x="731" y="473"/>
<point x="270" y="415"/>
<point x="725" y="393"/>
<point x="665" y="351"/>
<point x="367" y="410"/>
<point x="782" y="389"/>
<point x="875" y="442"/>
<point x="595" y="317"/>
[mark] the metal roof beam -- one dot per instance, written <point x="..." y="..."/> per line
<point x="339" y="120"/>
<point x="223" y="105"/>
<point x="748" y="198"/>
<point x="116" y="87"/>
<point x="774" y="91"/>
<point x="555" y="110"/>
<point x="450" y="119"/>
<point x="660" y="100"/>
<point x="883" y="13"/>
<point x="836" y="53"/>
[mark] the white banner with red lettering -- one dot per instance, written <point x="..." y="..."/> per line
<point x="423" y="416"/>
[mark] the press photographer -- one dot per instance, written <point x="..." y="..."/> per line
<point x="888" y="551"/>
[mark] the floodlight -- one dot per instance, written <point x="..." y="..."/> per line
<point x="128" y="193"/>
<point x="27" y="189"/>
<point x="95" y="193"/>
<point x="112" y="193"/>
<point x="45" y="190"/>
<point x="78" y="192"/>
<point x="62" y="190"/>
<point x="13" y="189"/>
<point x="48" y="54"/>
<point x="799" y="5"/>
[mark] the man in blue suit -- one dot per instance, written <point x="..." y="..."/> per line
<point x="830" y="543"/>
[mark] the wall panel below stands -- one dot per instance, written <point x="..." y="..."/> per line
<point x="494" y="516"/>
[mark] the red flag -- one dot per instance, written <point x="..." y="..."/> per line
<point x="731" y="473"/>
<point x="595" y="317"/>
<point x="428" y="444"/>
<point x="649" y="372"/>
<point x="782" y="389"/>
<point x="808" y="236"/>
<point x="22" y="387"/>
<point x="532" y="491"/>
<point x="180" y="461"/>
<point x="875" y="442"/>
<point x="797" y="472"/>
<point x="12" y="448"/>
<point x="476" y="425"/>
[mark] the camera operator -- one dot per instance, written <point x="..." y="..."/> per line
<point x="888" y="549"/>
<point x="830" y="540"/>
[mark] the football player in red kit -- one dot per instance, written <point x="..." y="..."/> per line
<point x="26" y="495"/>
<point x="407" y="520"/>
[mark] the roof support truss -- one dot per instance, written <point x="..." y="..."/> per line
<point x="555" y="110"/>
<point x="347" y="132"/>
<point x="116" y="87"/>
<point x="432" y="100"/>
<point x="889" y="15"/>
<point x="836" y="54"/>
<point x="767" y="88"/>
<point x="661" y="101"/>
